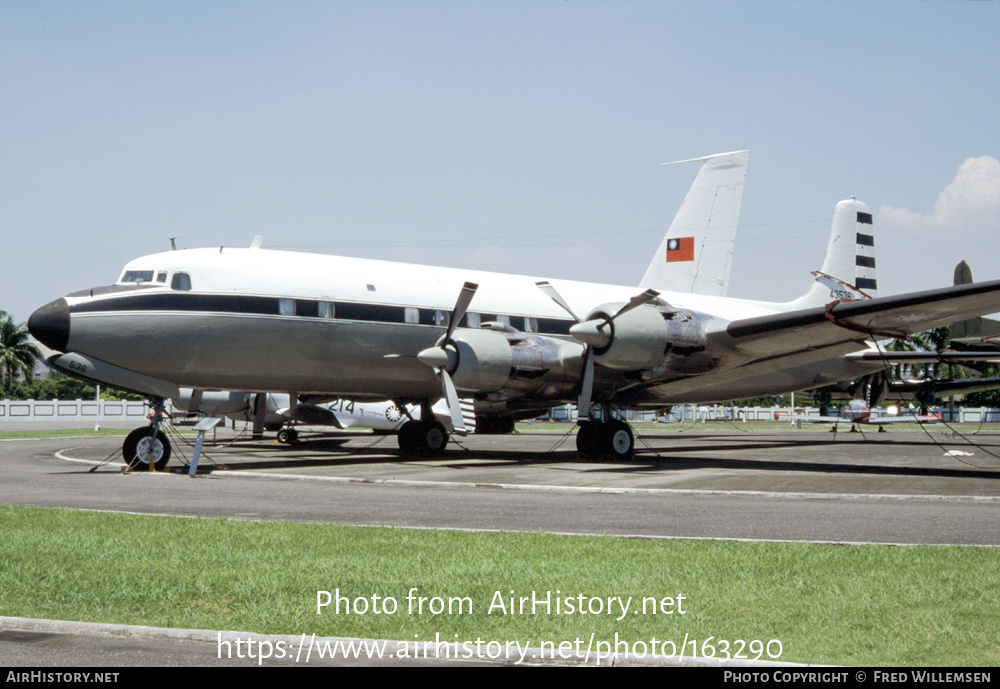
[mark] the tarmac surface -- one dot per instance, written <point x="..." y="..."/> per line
<point x="686" y="482"/>
<point x="702" y="481"/>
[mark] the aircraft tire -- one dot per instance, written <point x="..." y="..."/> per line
<point x="424" y="438"/>
<point x="433" y="438"/>
<point x="288" y="436"/>
<point x="139" y="445"/>
<point x="407" y="437"/>
<point x="494" y="425"/>
<point x="617" y="440"/>
<point x="587" y="438"/>
<point x="506" y="425"/>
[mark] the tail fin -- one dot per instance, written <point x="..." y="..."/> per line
<point x="848" y="271"/>
<point x="696" y="254"/>
<point x="974" y="327"/>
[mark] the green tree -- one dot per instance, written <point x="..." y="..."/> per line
<point x="16" y="351"/>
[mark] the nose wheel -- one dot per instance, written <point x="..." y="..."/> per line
<point x="143" y="447"/>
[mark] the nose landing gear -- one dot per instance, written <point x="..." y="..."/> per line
<point x="147" y="448"/>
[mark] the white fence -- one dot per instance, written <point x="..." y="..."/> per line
<point x="83" y="411"/>
<point x="690" y="413"/>
<point x="91" y="411"/>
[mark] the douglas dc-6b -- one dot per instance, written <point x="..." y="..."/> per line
<point x="323" y="327"/>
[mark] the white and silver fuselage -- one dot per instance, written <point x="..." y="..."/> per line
<point x="251" y="319"/>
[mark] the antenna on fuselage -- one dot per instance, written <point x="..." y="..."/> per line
<point x="257" y="241"/>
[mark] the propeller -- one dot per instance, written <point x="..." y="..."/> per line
<point x="443" y="356"/>
<point x="593" y="333"/>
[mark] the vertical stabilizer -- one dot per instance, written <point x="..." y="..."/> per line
<point x="696" y="254"/>
<point x="972" y="327"/>
<point x="963" y="274"/>
<point x="848" y="271"/>
<point x="966" y="332"/>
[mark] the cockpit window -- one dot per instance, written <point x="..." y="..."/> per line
<point x="181" y="281"/>
<point x="161" y="276"/>
<point x="137" y="276"/>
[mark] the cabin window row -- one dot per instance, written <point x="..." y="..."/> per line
<point x="184" y="300"/>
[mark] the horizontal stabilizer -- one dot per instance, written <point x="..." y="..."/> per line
<point x="312" y="415"/>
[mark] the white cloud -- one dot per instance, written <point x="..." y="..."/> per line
<point x="970" y="203"/>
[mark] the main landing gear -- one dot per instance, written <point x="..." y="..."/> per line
<point x="613" y="438"/>
<point x="423" y="437"/>
<point x="288" y="436"/>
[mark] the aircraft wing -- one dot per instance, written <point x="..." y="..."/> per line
<point x="823" y="419"/>
<point x="944" y="357"/>
<point x="946" y="387"/>
<point x="980" y="345"/>
<point x="880" y="421"/>
<point x="895" y="316"/>
<point x="902" y="418"/>
<point x="795" y="338"/>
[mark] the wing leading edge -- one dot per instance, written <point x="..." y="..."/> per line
<point x="895" y="316"/>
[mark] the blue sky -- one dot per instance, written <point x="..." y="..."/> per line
<point x="515" y="136"/>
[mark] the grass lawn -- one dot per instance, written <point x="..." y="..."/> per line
<point x="861" y="605"/>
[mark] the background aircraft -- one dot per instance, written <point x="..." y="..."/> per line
<point x="974" y="334"/>
<point x="279" y="414"/>
<point x="857" y="412"/>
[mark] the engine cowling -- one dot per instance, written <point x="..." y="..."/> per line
<point x="484" y="360"/>
<point x="500" y="363"/>
<point x="636" y="339"/>
<point x="642" y="338"/>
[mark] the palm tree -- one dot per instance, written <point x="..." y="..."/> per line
<point x="16" y="351"/>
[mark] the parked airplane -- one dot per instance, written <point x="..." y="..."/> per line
<point x="858" y="413"/>
<point x="277" y="412"/>
<point x="325" y="327"/>
<point x="705" y="223"/>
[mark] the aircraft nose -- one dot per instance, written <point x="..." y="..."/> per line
<point x="50" y="324"/>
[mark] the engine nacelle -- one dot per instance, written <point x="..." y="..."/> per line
<point x="484" y="360"/>
<point x="644" y="337"/>
<point x="638" y="338"/>
<point x="500" y="363"/>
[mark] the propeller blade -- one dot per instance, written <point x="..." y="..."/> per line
<point x="454" y="406"/>
<point x="638" y="300"/>
<point x="586" y="386"/>
<point x="592" y="334"/>
<point x="461" y="306"/>
<point x="547" y="287"/>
